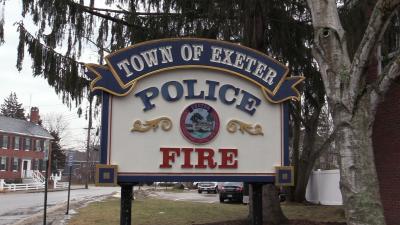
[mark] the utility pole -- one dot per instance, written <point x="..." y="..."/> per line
<point x="88" y="142"/>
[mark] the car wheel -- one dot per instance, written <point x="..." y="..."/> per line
<point x="199" y="191"/>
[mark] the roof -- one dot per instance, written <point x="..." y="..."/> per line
<point x="23" y="127"/>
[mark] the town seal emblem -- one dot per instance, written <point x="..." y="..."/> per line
<point x="199" y="123"/>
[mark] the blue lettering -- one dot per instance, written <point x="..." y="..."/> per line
<point x="165" y="91"/>
<point x="222" y="93"/>
<point x="190" y="87"/>
<point x="248" y="103"/>
<point x="211" y="90"/>
<point x="146" y="95"/>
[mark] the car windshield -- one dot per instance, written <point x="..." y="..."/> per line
<point x="232" y="184"/>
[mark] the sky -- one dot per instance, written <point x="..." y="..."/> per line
<point x="34" y="91"/>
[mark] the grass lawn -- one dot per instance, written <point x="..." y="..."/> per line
<point x="151" y="211"/>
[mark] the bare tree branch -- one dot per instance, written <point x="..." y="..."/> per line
<point x="326" y="143"/>
<point x="377" y="25"/>
<point x="390" y="73"/>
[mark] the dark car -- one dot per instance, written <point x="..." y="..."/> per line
<point x="231" y="191"/>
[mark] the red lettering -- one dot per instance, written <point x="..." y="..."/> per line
<point x="227" y="156"/>
<point x="205" y="154"/>
<point x="167" y="157"/>
<point x="205" y="158"/>
<point x="187" y="152"/>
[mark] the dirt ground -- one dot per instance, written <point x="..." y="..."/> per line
<point x="291" y="222"/>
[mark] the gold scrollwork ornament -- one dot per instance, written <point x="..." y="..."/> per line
<point x="164" y="122"/>
<point x="233" y="125"/>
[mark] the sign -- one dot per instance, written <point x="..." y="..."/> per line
<point x="193" y="109"/>
<point x="70" y="158"/>
<point x="106" y="175"/>
<point x="284" y="176"/>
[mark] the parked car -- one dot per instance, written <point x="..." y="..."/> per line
<point x="231" y="191"/>
<point x="207" y="186"/>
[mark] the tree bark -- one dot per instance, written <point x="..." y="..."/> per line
<point x="352" y="102"/>
<point x="358" y="180"/>
<point x="305" y="168"/>
<point x="272" y="213"/>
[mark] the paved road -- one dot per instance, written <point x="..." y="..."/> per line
<point x="17" y="206"/>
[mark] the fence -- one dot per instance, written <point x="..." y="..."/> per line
<point x="323" y="187"/>
<point x="20" y="187"/>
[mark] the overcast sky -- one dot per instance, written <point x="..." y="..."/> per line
<point x="33" y="91"/>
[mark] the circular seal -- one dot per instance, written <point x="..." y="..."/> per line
<point x="199" y="123"/>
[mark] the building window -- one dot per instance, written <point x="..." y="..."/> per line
<point x="46" y="147"/>
<point x="38" y="145"/>
<point x="16" y="143"/>
<point x="3" y="163"/>
<point x="27" y="144"/>
<point x="5" y="141"/>
<point x="15" y="164"/>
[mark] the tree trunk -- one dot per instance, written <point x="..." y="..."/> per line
<point x="358" y="181"/>
<point x="295" y="109"/>
<point x="272" y="212"/>
<point x="305" y="168"/>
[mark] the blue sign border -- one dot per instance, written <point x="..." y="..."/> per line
<point x="107" y="82"/>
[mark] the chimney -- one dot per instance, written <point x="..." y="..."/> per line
<point x="34" y="118"/>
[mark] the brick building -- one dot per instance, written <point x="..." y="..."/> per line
<point x="22" y="147"/>
<point x="386" y="141"/>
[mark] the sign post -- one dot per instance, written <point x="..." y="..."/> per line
<point x="46" y="158"/>
<point x="70" y="162"/>
<point x="187" y="109"/>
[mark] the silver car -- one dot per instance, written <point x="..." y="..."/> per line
<point x="208" y="187"/>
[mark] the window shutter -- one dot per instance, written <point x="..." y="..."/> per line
<point x="21" y="143"/>
<point x="1" y="141"/>
<point x="32" y="164"/>
<point x="8" y="142"/>
<point x="7" y="163"/>
<point x="12" y="146"/>
<point x="1" y="165"/>
<point x="12" y="164"/>
<point x="19" y="165"/>
<point x="42" y="145"/>
<point x="31" y="145"/>
<point x="40" y="164"/>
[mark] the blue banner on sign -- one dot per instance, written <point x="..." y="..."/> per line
<point x="126" y="66"/>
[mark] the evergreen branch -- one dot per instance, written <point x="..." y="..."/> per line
<point x="95" y="44"/>
<point x="104" y="16"/>
<point x="122" y="11"/>
<point x="32" y="37"/>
